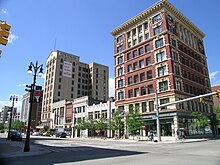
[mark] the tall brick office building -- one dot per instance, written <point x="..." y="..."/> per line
<point x="160" y="49"/>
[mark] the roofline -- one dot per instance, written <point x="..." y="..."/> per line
<point x="159" y="5"/>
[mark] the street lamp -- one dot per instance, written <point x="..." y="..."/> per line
<point x="12" y="98"/>
<point x="31" y="89"/>
<point x="157" y="116"/>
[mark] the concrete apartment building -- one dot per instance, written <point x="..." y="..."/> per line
<point x="67" y="78"/>
<point x="160" y="49"/>
<point x="5" y="114"/>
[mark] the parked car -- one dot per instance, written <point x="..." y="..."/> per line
<point x="2" y="131"/>
<point x="46" y="134"/>
<point x="15" y="136"/>
<point x="36" y="133"/>
<point x="61" y="134"/>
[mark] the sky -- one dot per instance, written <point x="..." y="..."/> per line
<point x="83" y="28"/>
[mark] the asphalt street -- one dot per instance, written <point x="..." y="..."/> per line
<point x="95" y="152"/>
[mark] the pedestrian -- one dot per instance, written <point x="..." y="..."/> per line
<point x="151" y="135"/>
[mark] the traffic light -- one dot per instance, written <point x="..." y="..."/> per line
<point x="4" y="32"/>
<point x="201" y="100"/>
<point x="218" y="93"/>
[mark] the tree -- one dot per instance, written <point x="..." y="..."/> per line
<point x="2" y="127"/>
<point x="200" y="121"/>
<point x="17" y="125"/>
<point x="134" y="122"/>
<point x="82" y="124"/>
<point x="116" y="123"/>
<point x="100" y="124"/>
<point x="217" y="112"/>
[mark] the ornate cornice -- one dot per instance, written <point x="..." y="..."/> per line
<point x="149" y="11"/>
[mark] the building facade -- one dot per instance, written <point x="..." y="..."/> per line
<point x="67" y="78"/>
<point x="216" y="99"/>
<point x="5" y="114"/>
<point x="161" y="50"/>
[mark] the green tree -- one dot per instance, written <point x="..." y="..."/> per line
<point x="217" y="112"/>
<point x="17" y="125"/>
<point x="2" y="127"/>
<point x="101" y="124"/>
<point x="116" y="123"/>
<point x="200" y="120"/>
<point x="82" y="124"/>
<point x="134" y="122"/>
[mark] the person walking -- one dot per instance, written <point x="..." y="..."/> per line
<point x="151" y="135"/>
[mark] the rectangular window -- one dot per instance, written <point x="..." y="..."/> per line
<point x="135" y="66"/>
<point x="146" y="26"/>
<point x="149" y="74"/>
<point x="178" y="85"/>
<point x="157" y="30"/>
<point x="163" y="86"/>
<point x="147" y="48"/>
<point x="135" y="78"/>
<point x="119" y="39"/>
<point x="173" y="42"/>
<point x="142" y="76"/>
<point x="177" y="70"/>
<point x="120" y="83"/>
<point x="141" y="63"/>
<point x="144" y="107"/>
<point x="148" y="61"/>
<point x="129" y="67"/>
<point x="129" y="56"/>
<point x="129" y="35"/>
<point x="129" y="44"/>
<point x="143" y="91"/>
<point x="120" y="60"/>
<point x="150" y="89"/>
<point x="156" y="18"/>
<point x="130" y="93"/>
<point x="159" y="43"/>
<point x="147" y="36"/>
<point x="136" y="92"/>
<point x="164" y="101"/>
<point x="141" y="51"/>
<point x="140" y="29"/>
<point x="135" y="53"/>
<point x="120" y="71"/>
<point x="140" y="39"/>
<point x="121" y="95"/>
<point x="129" y="80"/>
<point x="160" y="56"/>
<point x="119" y="49"/>
<point x="131" y="108"/>
<point x="151" y="106"/>
<point x="135" y="41"/>
<point x="175" y="56"/>
<point x="161" y="70"/>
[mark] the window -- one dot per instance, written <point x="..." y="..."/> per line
<point x="147" y="36"/>
<point x="177" y="70"/>
<point x="161" y="70"/>
<point x="136" y="92"/>
<point x="148" y="61"/>
<point x="119" y="49"/>
<point x="137" y="107"/>
<point x="129" y="80"/>
<point x="151" y="106"/>
<point x="147" y="48"/>
<point x="149" y="74"/>
<point x="120" y="71"/>
<point x="164" y="101"/>
<point x="119" y="39"/>
<point x="135" y="78"/>
<point x="160" y="56"/>
<point x="173" y="42"/>
<point x="140" y="29"/>
<point x="146" y="26"/>
<point x="135" y="53"/>
<point x="129" y="68"/>
<point x="120" y="60"/>
<point x="142" y="76"/>
<point x="178" y="85"/>
<point x="135" y="41"/>
<point x="150" y="89"/>
<point x="144" y="107"/>
<point x="143" y="91"/>
<point x="135" y="66"/>
<point x="156" y="19"/>
<point x="134" y="32"/>
<point x="141" y="51"/>
<point x="157" y="30"/>
<point x="141" y="63"/>
<point x="120" y="83"/>
<point x="121" y="95"/>
<point x="129" y="35"/>
<point x="130" y="93"/>
<point x="140" y="39"/>
<point x="163" y="86"/>
<point x="130" y="108"/>
<point x="129" y="56"/>
<point x="159" y="43"/>
<point x="129" y="44"/>
<point x="175" y="56"/>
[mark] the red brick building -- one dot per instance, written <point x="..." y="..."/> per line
<point x="216" y="100"/>
<point x="160" y="49"/>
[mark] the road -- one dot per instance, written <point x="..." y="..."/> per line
<point x="95" y="152"/>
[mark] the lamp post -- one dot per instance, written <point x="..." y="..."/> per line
<point x="31" y="89"/>
<point x="157" y="116"/>
<point x="12" y="98"/>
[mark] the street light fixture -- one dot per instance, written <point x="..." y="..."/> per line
<point x="12" y="98"/>
<point x="31" y="89"/>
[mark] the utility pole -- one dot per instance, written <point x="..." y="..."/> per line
<point x="157" y="116"/>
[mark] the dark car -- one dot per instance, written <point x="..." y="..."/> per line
<point x="61" y="134"/>
<point x="15" y="136"/>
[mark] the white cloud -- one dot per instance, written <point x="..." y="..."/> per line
<point x="212" y="75"/>
<point x="12" y="38"/>
<point x="4" y="11"/>
<point x="21" y="85"/>
<point x="17" y="104"/>
<point x="44" y="76"/>
<point x="111" y="87"/>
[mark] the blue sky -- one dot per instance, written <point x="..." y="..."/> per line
<point x="82" y="27"/>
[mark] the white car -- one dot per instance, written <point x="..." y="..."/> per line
<point x="36" y="134"/>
